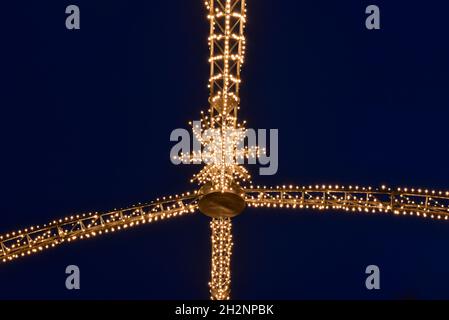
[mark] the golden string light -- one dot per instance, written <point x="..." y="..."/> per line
<point x="227" y="50"/>
<point x="401" y="201"/>
<point x="221" y="238"/>
<point x="34" y="239"/>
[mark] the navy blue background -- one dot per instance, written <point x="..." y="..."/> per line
<point x="86" y="118"/>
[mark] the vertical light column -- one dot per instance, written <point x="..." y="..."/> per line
<point x="227" y="52"/>
<point x="227" y="49"/>
<point x="220" y="284"/>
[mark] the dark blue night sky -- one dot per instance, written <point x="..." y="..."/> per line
<point x="86" y="118"/>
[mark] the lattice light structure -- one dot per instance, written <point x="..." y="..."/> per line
<point x="223" y="151"/>
<point x="227" y="52"/>
<point x="77" y="227"/>
<point x="225" y="189"/>
<point x="355" y="199"/>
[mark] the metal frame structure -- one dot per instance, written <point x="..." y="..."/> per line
<point x="38" y="238"/>
<point x="414" y="202"/>
<point x="223" y="194"/>
<point x="227" y="53"/>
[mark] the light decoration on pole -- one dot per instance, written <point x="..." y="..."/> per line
<point x="223" y="152"/>
<point x="227" y="50"/>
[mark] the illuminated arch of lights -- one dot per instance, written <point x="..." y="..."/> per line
<point x="225" y="187"/>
